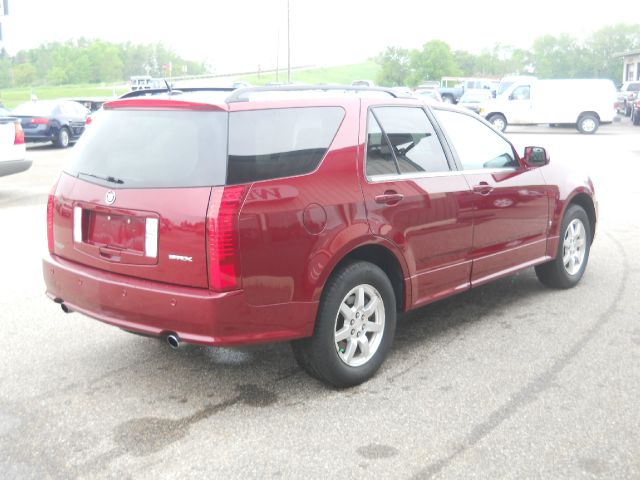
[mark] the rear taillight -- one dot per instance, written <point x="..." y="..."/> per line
<point x="88" y="120"/>
<point x="223" y="237"/>
<point x="18" y="139"/>
<point x="40" y="121"/>
<point x="50" y="206"/>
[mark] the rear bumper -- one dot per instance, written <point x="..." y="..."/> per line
<point x="14" y="166"/>
<point x="153" y="308"/>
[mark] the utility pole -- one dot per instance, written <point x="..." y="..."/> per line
<point x="288" y="46"/>
<point x="278" y="57"/>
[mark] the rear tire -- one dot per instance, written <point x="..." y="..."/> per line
<point x="588" y="123"/>
<point x="635" y="117"/>
<point x="354" y="329"/>
<point x="566" y="270"/>
<point x="62" y="140"/>
<point x="498" y="121"/>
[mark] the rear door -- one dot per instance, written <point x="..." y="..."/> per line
<point x="134" y="199"/>
<point x="510" y="202"/>
<point x="416" y="200"/>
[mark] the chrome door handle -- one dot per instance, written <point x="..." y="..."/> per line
<point x="389" y="198"/>
<point x="483" y="188"/>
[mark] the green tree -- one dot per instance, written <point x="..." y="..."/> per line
<point x="24" y="75"/>
<point x="394" y="67"/>
<point x="559" y="57"/>
<point x="605" y="46"/>
<point x="433" y="62"/>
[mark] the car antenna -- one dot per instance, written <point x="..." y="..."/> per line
<point x="168" y="86"/>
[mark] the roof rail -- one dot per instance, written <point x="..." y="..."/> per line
<point x="174" y="91"/>
<point x="241" y="94"/>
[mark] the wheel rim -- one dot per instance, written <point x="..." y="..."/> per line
<point x="64" y="138"/>
<point x="588" y="125"/>
<point x="359" y="325"/>
<point x="574" y="247"/>
<point x="498" y="123"/>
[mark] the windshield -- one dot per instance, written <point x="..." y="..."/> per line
<point x="154" y="149"/>
<point x="503" y="87"/>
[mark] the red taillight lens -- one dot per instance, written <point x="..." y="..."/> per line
<point x="88" y="120"/>
<point x="18" y="139"/>
<point x="222" y="237"/>
<point x="39" y="121"/>
<point x="50" y="206"/>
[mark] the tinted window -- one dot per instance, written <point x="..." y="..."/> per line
<point x="414" y="142"/>
<point x="150" y="148"/>
<point x="380" y="160"/>
<point x="478" y="145"/>
<point x="277" y="143"/>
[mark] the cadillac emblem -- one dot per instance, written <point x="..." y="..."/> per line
<point x="110" y="197"/>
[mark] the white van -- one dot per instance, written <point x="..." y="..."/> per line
<point x="584" y="103"/>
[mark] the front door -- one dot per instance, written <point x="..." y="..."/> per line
<point x="510" y="201"/>
<point x="415" y="200"/>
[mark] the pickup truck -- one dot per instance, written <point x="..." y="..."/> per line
<point x="12" y="149"/>
<point x="453" y="94"/>
<point x="626" y="95"/>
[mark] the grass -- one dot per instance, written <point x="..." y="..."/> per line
<point x="344" y="74"/>
<point x="12" y="97"/>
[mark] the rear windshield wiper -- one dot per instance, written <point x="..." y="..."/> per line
<point x="107" y="178"/>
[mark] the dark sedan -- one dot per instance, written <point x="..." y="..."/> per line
<point x="58" y="121"/>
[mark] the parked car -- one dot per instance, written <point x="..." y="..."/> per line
<point x="472" y="99"/>
<point x="430" y="95"/>
<point x="12" y="149"/>
<point x="585" y="103"/>
<point x="453" y="94"/>
<point x="635" y="111"/>
<point x="315" y="218"/>
<point x="59" y="121"/>
<point x="627" y="94"/>
<point x="363" y="83"/>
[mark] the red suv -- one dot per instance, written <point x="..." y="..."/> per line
<point x="307" y="214"/>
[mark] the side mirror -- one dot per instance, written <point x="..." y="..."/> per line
<point x="536" y="157"/>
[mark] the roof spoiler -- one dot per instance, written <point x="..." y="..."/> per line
<point x="173" y="91"/>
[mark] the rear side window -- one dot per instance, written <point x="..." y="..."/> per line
<point x="402" y="140"/>
<point x="154" y="149"/>
<point x="276" y="143"/>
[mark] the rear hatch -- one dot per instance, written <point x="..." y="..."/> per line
<point x="133" y="200"/>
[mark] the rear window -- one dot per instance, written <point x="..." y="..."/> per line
<point x="35" y="109"/>
<point x="265" y="144"/>
<point x="152" y="149"/>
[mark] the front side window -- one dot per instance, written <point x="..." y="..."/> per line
<point x="522" y="93"/>
<point x="277" y="143"/>
<point x="478" y="146"/>
<point x="402" y="140"/>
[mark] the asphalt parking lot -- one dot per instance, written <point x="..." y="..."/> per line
<point x="510" y="380"/>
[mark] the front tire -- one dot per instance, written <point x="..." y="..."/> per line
<point x="498" y="121"/>
<point x="354" y="329"/>
<point x="566" y="270"/>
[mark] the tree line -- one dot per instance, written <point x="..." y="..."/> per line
<point x="89" y="61"/>
<point x="562" y="56"/>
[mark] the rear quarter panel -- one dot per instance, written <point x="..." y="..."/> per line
<point x="291" y="229"/>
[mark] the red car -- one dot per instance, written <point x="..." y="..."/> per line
<point x="311" y="214"/>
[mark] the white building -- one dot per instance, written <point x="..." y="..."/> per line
<point x="631" y="69"/>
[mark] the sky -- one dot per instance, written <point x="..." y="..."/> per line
<point x="236" y="36"/>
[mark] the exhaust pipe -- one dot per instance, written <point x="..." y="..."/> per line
<point x="173" y="340"/>
<point x="65" y="308"/>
